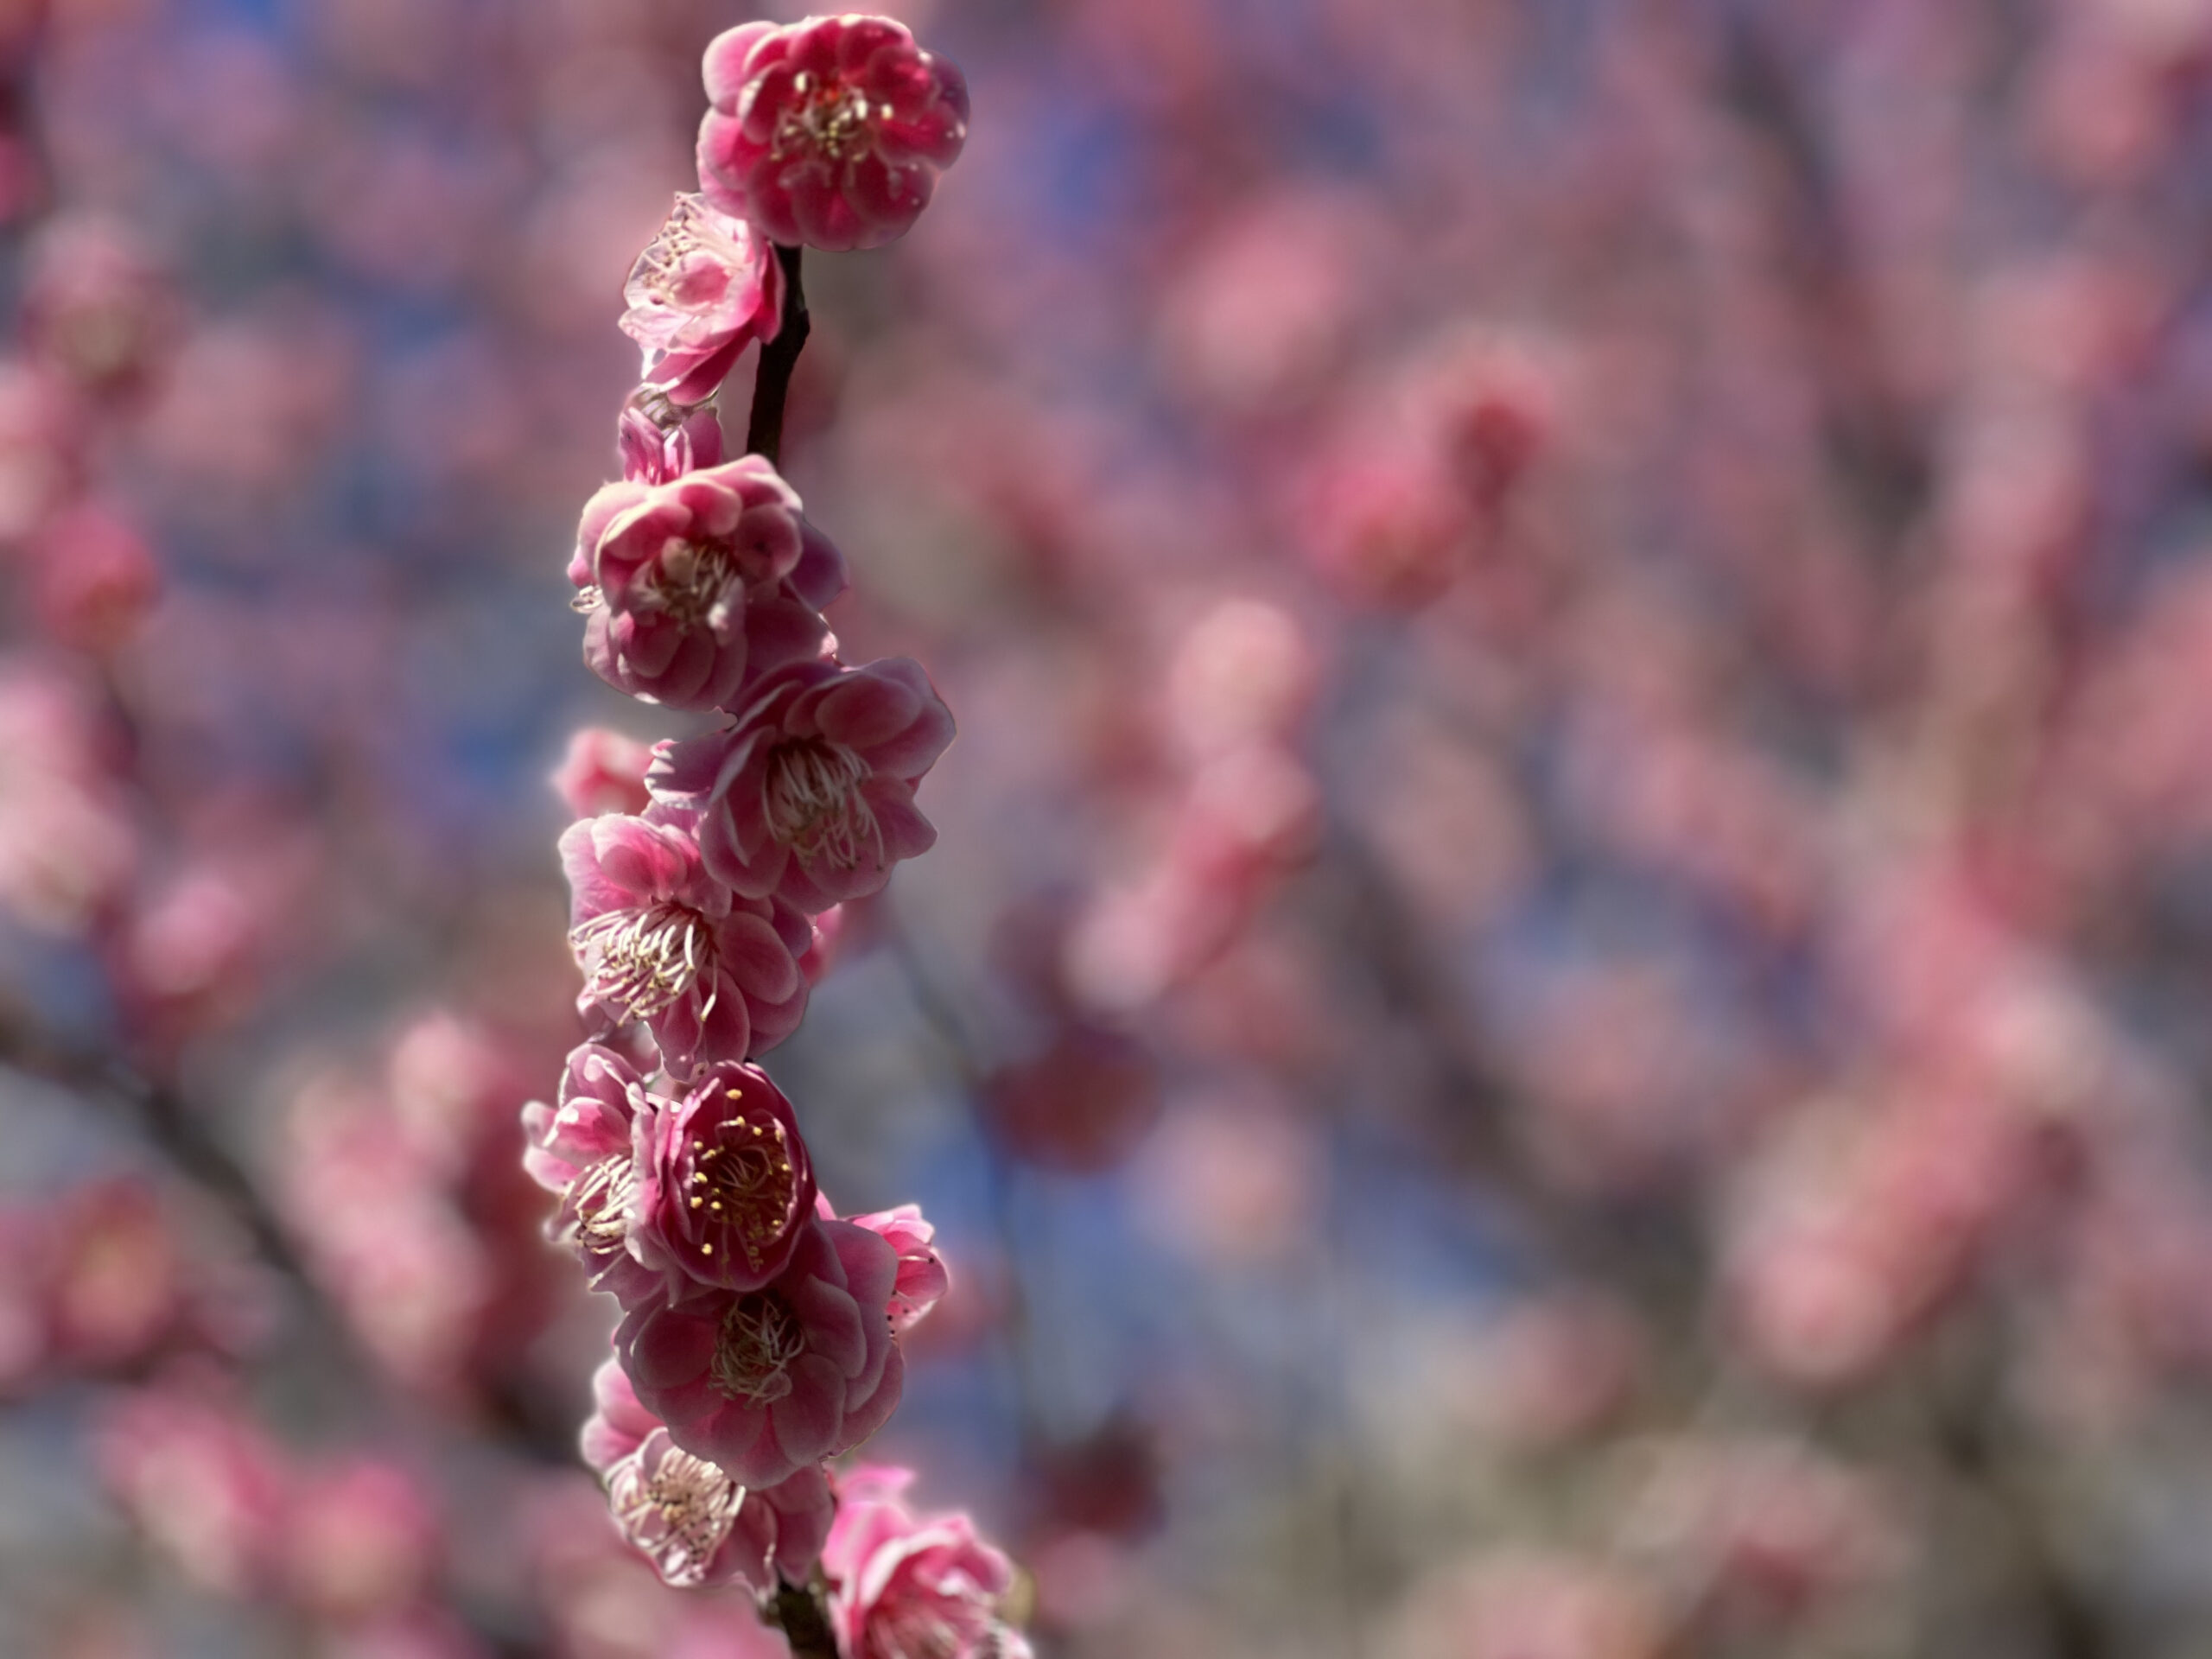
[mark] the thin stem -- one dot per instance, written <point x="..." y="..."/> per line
<point x="764" y="428"/>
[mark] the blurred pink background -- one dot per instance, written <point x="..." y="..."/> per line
<point x="1559" y="1012"/>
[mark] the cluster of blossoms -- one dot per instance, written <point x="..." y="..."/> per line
<point x="760" y="1330"/>
<point x="351" y="1544"/>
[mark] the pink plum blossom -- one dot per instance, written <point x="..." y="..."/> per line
<point x="1388" y="527"/>
<point x="811" y="796"/>
<point x="361" y="1540"/>
<point x="765" y="1383"/>
<point x="683" y="586"/>
<point x="698" y="1526"/>
<point x="378" y="1223"/>
<point x="583" y="1151"/>
<point x="200" y="1480"/>
<point x="113" y="1273"/>
<point x="714" y="976"/>
<point x="705" y="288"/>
<point x="724" y="1185"/>
<point x="1244" y="673"/>
<point x="603" y="772"/>
<point x="829" y="132"/>
<point x="96" y="577"/>
<point x="96" y="308"/>
<point x="657" y="442"/>
<point x="904" y="1586"/>
<point x="923" y="1279"/>
<point x="66" y="846"/>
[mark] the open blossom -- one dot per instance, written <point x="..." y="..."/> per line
<point x="904" y="1586"/>
<point x="811" y="796"/>
<point x="767" y="1382"/>
<point x="682" y="582"/>
<point x="582" y="1151"/>
<point x="703" y="289"/>
<point x="829" y="132"/>
<point x="712" y="976"/>
<point x="724" y="1186"/>
<point x="698" y="1526"/>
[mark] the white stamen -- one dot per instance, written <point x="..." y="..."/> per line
<point x="598" y="1199"/>
<point x="690" y="582"/>
<point x="642" y="961"/>
<point x="680" y="1512"/>
<point x="815" y="806"/>
<point x="831" y="119"/>
<point x="759" y="1339"/>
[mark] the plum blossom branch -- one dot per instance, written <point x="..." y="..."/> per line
<point x="763" y="428"/>
<point x="798" y="1613"/>
<point x="760" y="1331"/>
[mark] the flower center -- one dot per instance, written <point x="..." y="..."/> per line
<point x="829" y="118"/>
<point x="680" y="1512"/>
<point x="754" y="1348"/>
<point x="689" y="583"/>
<point x="689" y="264"/>
<point x="815" y="806"/>
<point x="641" y="961"/>
<point x="743" y="1182"/>
<point x="600" y="1200"/>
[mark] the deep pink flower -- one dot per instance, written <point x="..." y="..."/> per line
<point x="829" y="132"/>
<point x="923" y="1279"/>
<point x="712" y="976"/>
<point x="683" y="583"/>
<point x="724" y="1185"/>
<point x="903" y="1586"/>
<point x="705" y="288"/>
<point x="811" y="796"/>
<point x="699" y="1526"/>
<point x="658" y="442"/>
<point x="766" y="1382"/>
<point x="583" y="1151"/>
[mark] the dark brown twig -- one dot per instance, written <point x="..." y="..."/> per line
<point x="764" y="428"/>
<point x="799" y="1613"/>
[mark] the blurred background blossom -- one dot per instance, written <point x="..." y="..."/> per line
<point x="1558" y="1011"/>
